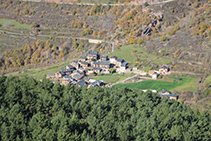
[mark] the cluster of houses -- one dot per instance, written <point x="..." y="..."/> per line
<point x="165" y="93"/>
<point x="168" y="94"/>
<point x="78" y="72"/>
<point x="164" y="70"/>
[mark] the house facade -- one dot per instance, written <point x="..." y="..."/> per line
<point x="164" y="70"/>
<point x="92" y="55"/>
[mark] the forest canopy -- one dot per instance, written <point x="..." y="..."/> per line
<point x="35" y="110"/>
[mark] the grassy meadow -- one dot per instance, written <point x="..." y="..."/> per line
<point x="183" y="84"/>
<point x="13" y="23"/>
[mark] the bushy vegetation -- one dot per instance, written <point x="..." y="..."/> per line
<point x="34" y="110"/>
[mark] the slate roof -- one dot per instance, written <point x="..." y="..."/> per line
<point x="78" y="76"/>
<point x="51" y="73"/>
<point x="164" y="91"/>
<point x="67" y="70"/>
<point x="71" y="67"/>
<point x="76" y="71"/>
<point x="96" y="68"/>
<point x="165" y="67"/>
<point x="124" y="64"/>
<point x="81" y="83"/>
<point x="82" y="57"/>
<point x="97" y="82"/>
<point x="97" y="63"/>
<point x="62" y="72"/>
<point x="113" y="57"/>
<point x="84" y="62"/>
<point x="86" y="78"/>
<point x="120" y="60"/>
<point x="67" y="77"/>
<point x="104" y="62"/>
<point x="92" y="52"/>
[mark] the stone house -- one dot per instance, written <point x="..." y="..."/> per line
<point x="105" y="64"/>
<point x="92" y="54"/>
<point x="113" y="59"/>
<point x="168" y="94"/>
<point x="75" y="64"/>
<point x="60" y="74"/>
<point x="84" y="65"/>
<point x="97" y="69"/>
<point x="81" y="83"/>
<point x="82" y="59"/>
<point x="103" y="58"/>
<point x="164" y="70"/>
<point x="119" y="62"/>
<point x="123" y="66"/>
<point x="70" y="67"/>
<point x="51" y="75"/>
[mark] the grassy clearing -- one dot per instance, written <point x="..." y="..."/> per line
<point x="14" y="24"/>
<point x="126" y="53"/>
<point x="208" y="80"/>
<point x="130" y="54"/>
<point x="184" y="84"/>
<point x="112" y="78"/>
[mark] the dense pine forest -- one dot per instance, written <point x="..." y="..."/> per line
<point x="34" y="110"/>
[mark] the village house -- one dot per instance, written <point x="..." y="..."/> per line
<point x="164" y="70"/>
<point x="103" y="58"/>
<point x="70" y="67"/>
<point x="97" y="69"/>
<point x="123" y="66"/>
<point x="82" y="59"/>
<point x="151" y="72"/>
<point x="66" y="80"/>
<point x="91" y="73"/>
<point x="105" y="64"/>
<point x="113" y="59"/>
<point x="168" y="94"/>
<point x="51" y="75"/>
<point x="60" y="74"/>
<point x="105" y="71"/>
<point x="92" y="55"/>
<point x="67" y="71"/>
<point x="84" y="65"/>
<point x="119" y="63"/>
<point x="81" y="83"/>
<point x="96" y="64"/>
<point x="75" y="64"/>
<point x="135" y="68"/>
<point x="86" y="78"/>
<point x="77" y="76"/>
<point x="97" y="83"/>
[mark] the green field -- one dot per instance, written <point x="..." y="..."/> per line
<point x="112" y="78"/>
<point x="14" y="24"/>
<point x="129" y="53"/>
<point x="183" y="84"/>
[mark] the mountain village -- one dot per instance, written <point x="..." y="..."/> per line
<point x="78" y="72"/>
